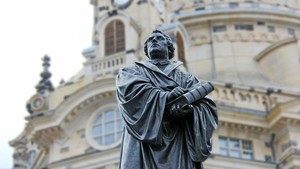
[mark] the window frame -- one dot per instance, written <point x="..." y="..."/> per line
<point x="31" y="158"/>
<point x="229" y="147"/>
<point x="114" y="37"/>
<point x="244" y="27"/>
<point x="180" y="48"/>
<point x="291" y="31"/>
<point x="91" y="123"/>
<point x="219" y="28"/>
<point x="103" y="123"/>
<point x="271" y="28"/>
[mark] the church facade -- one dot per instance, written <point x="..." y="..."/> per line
<point x="249" y="50"/>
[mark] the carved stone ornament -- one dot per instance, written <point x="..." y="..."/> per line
<point x="20" y="153"/>
<point x="37" y="103"/>
<point x="121" y="4"/>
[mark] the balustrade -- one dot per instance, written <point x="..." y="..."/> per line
<point x="242" y="98"/>
<point x="109" y="64"/>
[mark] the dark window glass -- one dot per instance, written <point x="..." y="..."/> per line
<point x="247" y="155"/>
<point x="31" y="157"/>
<point x="268" y="159"/>
<point x="246" y="27"/>
<point x="291" y="31"/>
<point x="114" y="37"/>
<point x="221" y="28"/>
<point x="271" y="28"/>
<point x="233" y="4"/>
<point x="247" y="145"/>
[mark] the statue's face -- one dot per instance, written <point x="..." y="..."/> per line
<point x="157" y="46"/>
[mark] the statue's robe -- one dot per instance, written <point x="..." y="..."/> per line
<point x="152" y="139"/>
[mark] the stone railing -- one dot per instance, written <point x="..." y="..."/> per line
<point x="241" y="99"/>
<point x="109" y="64"/>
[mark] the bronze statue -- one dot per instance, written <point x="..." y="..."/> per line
<point x="168" y="121"/>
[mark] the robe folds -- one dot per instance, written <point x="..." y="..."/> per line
<point x="152" y="139"/>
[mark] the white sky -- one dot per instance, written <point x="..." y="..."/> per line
<point x="30" y="29"/>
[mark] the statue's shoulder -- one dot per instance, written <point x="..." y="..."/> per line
<point x="131" y="66"/>
<point x="180" y="68"/>
<point x="142" y="63"/>
<point x="182" y="72"/>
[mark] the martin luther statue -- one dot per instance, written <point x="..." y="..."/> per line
<point x="160" y="132"/>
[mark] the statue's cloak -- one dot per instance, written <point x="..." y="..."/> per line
<point x="151" y="138"/>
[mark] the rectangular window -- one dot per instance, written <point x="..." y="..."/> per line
<point x="246" y="27"/>
<point x="247" y="155"/>
<point x="271" y="28"/>
<point x="236" y="148"/>
<point x="268" y="159"/>
<point x="233" y="4"/>
<point x="249" y="1"/>
<point x="200" y="9"/>
<point x="291" y="31"/>
<point x="247" y="145"/>
<point x="114" y="37"/>
<point x="221" y="28"/>
<point x="260" y="23"/>
<point x="267" y="144"/>
<point x="223" y="146"/>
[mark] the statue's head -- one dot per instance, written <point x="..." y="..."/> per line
<point x="159" y="42"/>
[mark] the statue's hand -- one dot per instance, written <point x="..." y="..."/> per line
<point x="178" y="111"/>
<point x="176" y="92"/>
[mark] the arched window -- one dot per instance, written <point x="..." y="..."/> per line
<point x="180" y="48"/>
<point x="107" y="128"/>
<point x="31" y="157"/>
<point x="114" y="37"/>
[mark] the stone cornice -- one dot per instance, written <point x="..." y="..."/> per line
<point x="88" y="102"/>
<point x="231" y="162"/>
<point x="95" y="155"/>
<point x="280" y="116"/>
<point x="44" y="138"/>
<point x="265" y="109"/>
<point x="243" y="97"/>
<point x="289" y="156"/>
<point x="241" y="13"/>
<point x="245" y="126"/>
<point x="77" y="101"/>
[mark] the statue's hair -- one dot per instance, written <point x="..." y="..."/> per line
<point x="171" y="48"/>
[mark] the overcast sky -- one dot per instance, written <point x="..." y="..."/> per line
<point x="29" y="30"/>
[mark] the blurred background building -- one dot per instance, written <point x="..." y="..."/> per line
<point x="249" y="49"/>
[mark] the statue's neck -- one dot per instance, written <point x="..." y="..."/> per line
<point x="159" y="58"/>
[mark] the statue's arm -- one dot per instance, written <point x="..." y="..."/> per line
<point x="200" y="120"/>
<point x="200" y="128"/>
<point x="142" y="105"/>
